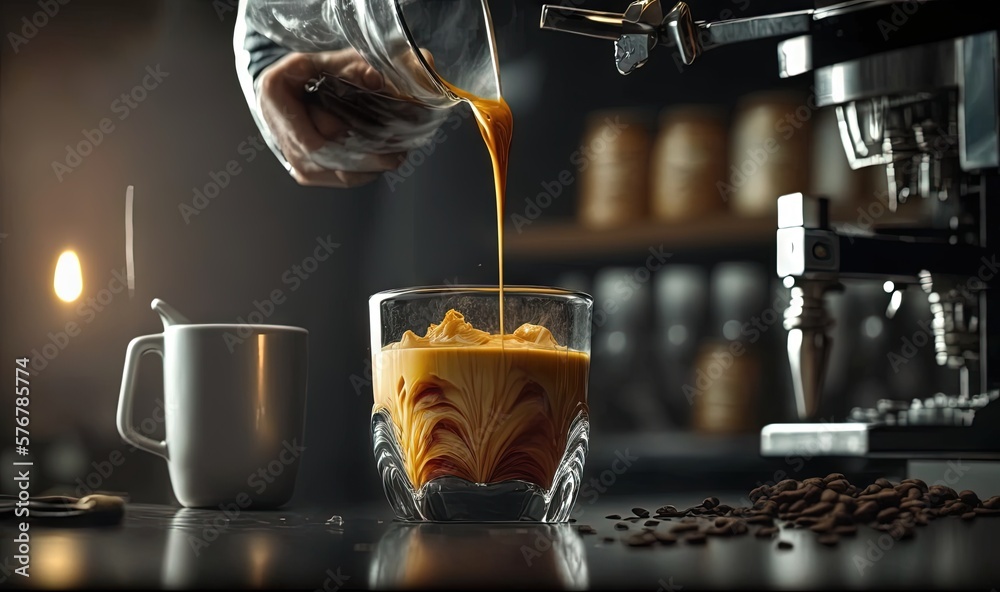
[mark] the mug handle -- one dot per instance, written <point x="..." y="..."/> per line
<point x="137" y="348"/>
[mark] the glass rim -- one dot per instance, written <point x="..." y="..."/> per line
<point x="434" y="76"/>
<point x="459" y="289"/>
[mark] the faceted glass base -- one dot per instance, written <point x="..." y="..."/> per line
<point x="448" y="499"/>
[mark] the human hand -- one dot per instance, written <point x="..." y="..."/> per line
<point x="301" y="128"/>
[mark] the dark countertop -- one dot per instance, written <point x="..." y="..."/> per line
<point x="165" y="547"/>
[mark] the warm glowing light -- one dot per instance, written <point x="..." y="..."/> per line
<point x="69" y="279"/>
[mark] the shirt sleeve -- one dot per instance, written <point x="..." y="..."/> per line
<point x="262" y="52"/>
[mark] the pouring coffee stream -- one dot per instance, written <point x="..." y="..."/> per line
<point x="496" y="123"/>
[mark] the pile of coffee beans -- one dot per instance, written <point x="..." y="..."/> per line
<point x="830" y="506"/>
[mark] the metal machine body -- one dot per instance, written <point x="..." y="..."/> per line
<point x="916" y="89"/>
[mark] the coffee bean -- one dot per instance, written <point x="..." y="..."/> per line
<point x="903" y="488"/>
<point x="760" y="519"/>
<point x="829" y="496"/>
<point x="866" y="511"/>
<point x="585" y="529"/>
<point x="710" y="502"/>
<point x="695" y="538"/>
<point x="839" y="485"/>
<point x="817" y="509"/>
<point x="987" y="512"/>
<point x="621" y="526"/>
<point x="871" y="489"/>
<point x="785" y="545"/>
<point x="640" y="539"/>
<point x="759" y="492"/>
<point x="920" y="484"/>
<point x="684" y="527"/>
<point x="770" y="507"/>
<point x="887" y="515"/>
<point x="666" y="510"/>
<point x="766" y="532"/>
<point x="651" y="522"/>
<point x="812" y="493"/>
<point x="723" y="522"/>
<point x="911" y="504"/>
<point x="815" y="481"/>
<point x="970" y="498"/>
<point x="608" y="539"/>
<point x="665" y="537"/>
<point x="806" y="520"/>
<point x="993" y="503"/>
<point x="887" y="498"/>
<point x="784" y="485"/>
<point x="914" y="494"/>
<point x="941" y="493"/>
<point x="641" y="512"/>
<point x="613" y="517"/>
<point x="834" y="477"/>
<point x="825" y="525"/>
<point x="968" y="515"/>
<point x="724" y="509"/>
<point x="828" y="539"/>
<point x="883" y="483"/>
<point x="959" y="508"/>
<point x="846" y="530"/>
<point x="798" y="506"/>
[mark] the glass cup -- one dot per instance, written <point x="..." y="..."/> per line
<point x="469" y="425"/>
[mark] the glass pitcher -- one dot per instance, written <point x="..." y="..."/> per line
<point x="417" y="46"/>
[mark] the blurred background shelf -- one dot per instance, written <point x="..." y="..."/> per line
<point x="569" y="241"/>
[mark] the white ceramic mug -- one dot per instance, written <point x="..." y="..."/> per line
<point x="234" y="406"/>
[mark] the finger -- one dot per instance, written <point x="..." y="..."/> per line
<point x="349" y="65"/>
<point x="287" y="116"/>
<point x="327" y="178"/>
<point x="327" y="124"/>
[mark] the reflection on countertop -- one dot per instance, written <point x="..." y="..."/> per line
<point x="452" y="555"/>
<point x="171" y="548"/>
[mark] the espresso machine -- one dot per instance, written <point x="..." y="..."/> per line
<point x="915" y="88"/>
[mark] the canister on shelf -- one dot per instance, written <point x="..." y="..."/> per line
<point x="614" y="169"/>
<point x="723" y="388"/>
<point x="689" y="164"/>
<point x="769" y="152"/>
